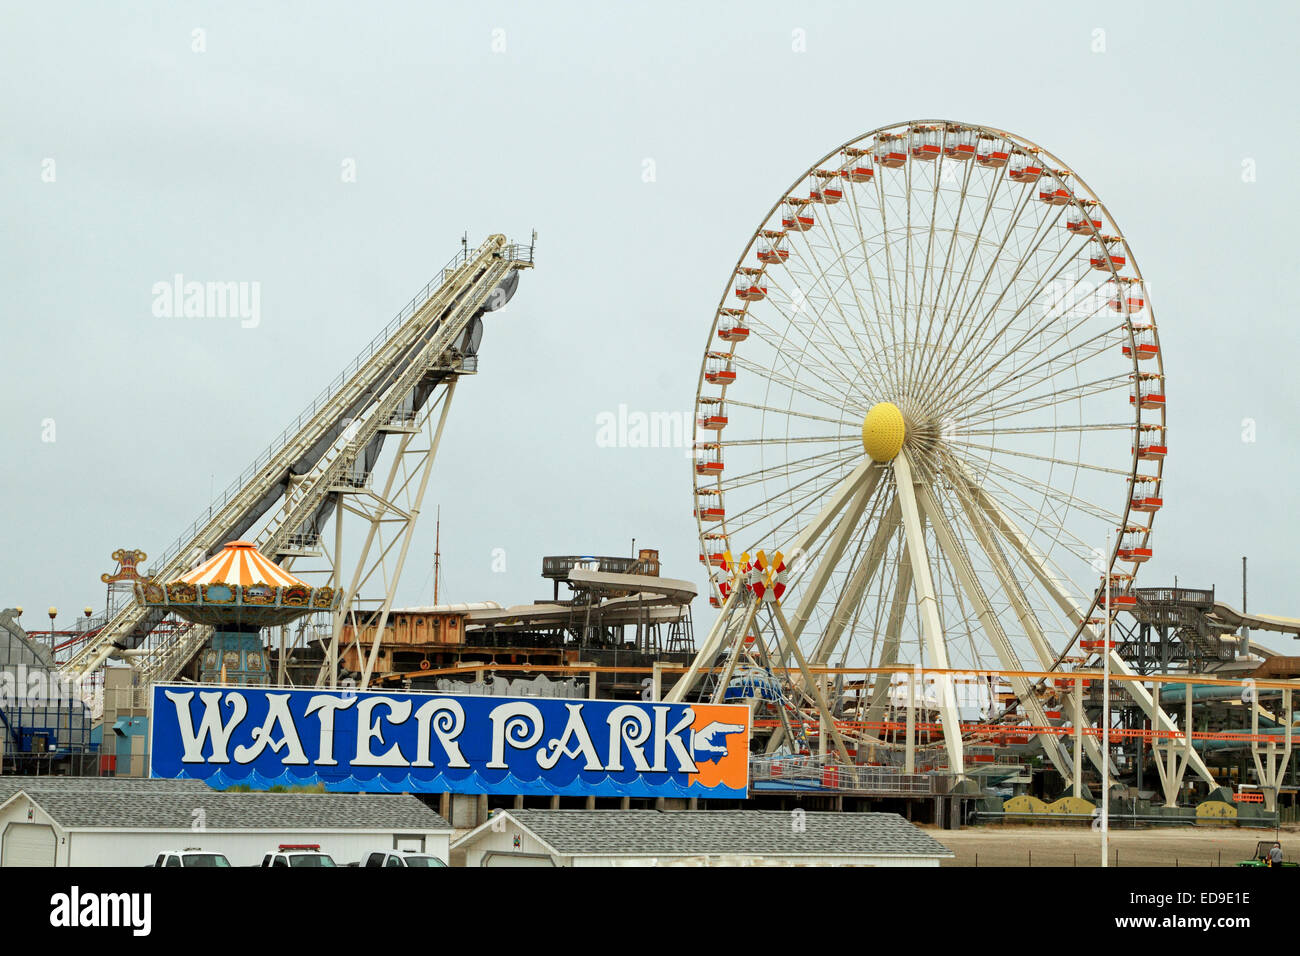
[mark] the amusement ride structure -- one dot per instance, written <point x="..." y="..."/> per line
<point x="322" y="475"/>
<point x="934" y="388"/>
<point x="932" y="436"/>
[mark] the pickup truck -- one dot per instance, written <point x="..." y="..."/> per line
<point x="400" y="858"/>
<point x="190" y="856"/>
<point x="305" y="854"/>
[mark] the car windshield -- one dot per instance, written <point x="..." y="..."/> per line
<point x="310" y="859"/>
<point x="205" y="859"/>
<point x="423" y="861"/>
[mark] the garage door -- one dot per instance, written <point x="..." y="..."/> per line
<point x="27" y="844"/>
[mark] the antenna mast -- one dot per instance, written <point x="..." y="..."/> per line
<point x="437" y="554"/>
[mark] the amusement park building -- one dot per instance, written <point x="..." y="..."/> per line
<point x="72" y="821"/>
<point x="696" y="838"/>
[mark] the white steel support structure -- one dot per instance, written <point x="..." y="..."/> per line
<point x="390" y="517"/>
<point x="951" y="307"/>
<point x="928" y="608"/>
<point x="321" y="469"/>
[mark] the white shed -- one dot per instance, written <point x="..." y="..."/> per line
<point x="86" y="821"/>
<point x="697" y="838"/>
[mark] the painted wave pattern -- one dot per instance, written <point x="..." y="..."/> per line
<point x="394" y="781"/>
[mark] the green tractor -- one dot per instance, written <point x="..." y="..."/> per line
<point x="1261" y="857"/>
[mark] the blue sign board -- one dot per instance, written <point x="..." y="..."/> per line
<point x="372" y="742"/>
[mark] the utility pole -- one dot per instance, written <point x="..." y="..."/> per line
<point x="1245" y="631"/>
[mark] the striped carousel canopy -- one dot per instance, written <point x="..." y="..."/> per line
<point x="239" y="562"/>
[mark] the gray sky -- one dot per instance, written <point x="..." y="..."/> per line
<point x="226" y="164"/>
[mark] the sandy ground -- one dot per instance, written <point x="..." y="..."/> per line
<point x="1080" y="846"/>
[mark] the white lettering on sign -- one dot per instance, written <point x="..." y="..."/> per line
<point x="368" y="730"/>
<point x="210" y="725"/>
<point x="446" y="719"/>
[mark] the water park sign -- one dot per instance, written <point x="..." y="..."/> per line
<point x="376" y="742"/>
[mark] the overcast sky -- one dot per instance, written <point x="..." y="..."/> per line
<point x="133" y="148"/>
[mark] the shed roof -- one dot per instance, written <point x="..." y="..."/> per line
<point x="173" y="806"/>
<point x="733" y="832"/>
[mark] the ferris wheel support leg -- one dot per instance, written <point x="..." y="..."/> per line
<point x="993" y="629"/>
<point x="813" y="686"/>
<point x="861" y="491"/>
<point x="984" y="529"/>
<point x="737" y="648"/>
<point x="893" y="631"/>
<point x="1038" y="565"/>
<point x="852" y="595"/>
<point x="838" y="499"/>
<point x="928" y="606"/>
<point x="860" y="486"/>
<point x="708" y="650"/>
<point x="850" y="598"/>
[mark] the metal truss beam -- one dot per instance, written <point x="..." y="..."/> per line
<point x="928" y="607"/>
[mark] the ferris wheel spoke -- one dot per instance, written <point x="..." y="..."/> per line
<point x="1037" y="330"/>
<point x="995" y="260"/>
<point x="1102" y="469"/>
<point x="1079" y="354"/>
<point x="989" y="206"/>
<point x="800" y="308"/>
<point x="982" y="346"/>
<point x="875" y="311"/>
<point x="747" y="442"/>
<point x="766" y="508"/>
<point x="833" y="300"/>
<point x="1048" y="575"/>
<point x="978" y="521"/>
<point x="1003" y="475"/>
<point x="796" y="386"/>
<point x="922" y="365"/>
<point x="794" y="363"/>
<point x="894" y="300"/>
<point x="1049" y="400"/>
<point x="789" y="467"/>
<point x="774" y="410"/>
<point x="1046" y="429"/>
<point x="804" y="362"/>
<point x="1042" y="231"/>
<point x="1005" y="478"/>
<point x="913" y="360"/>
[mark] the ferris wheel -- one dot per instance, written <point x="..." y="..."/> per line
<point x="934" y="383"/>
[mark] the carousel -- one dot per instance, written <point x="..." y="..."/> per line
<point x="237" y="592"/>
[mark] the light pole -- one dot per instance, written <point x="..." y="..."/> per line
<point x="53" y="612"/>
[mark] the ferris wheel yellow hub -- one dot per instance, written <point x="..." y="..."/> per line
<point x="883" y="431"/>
